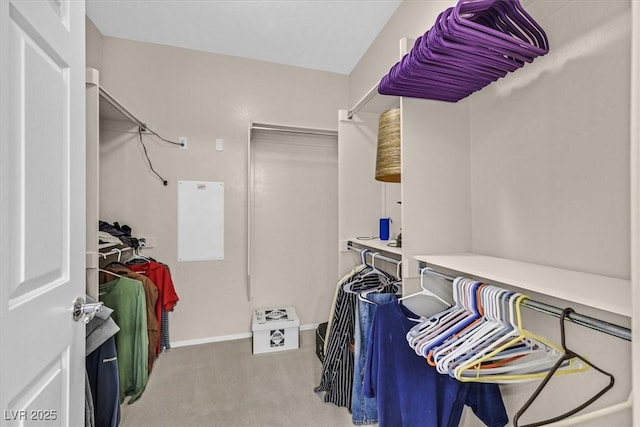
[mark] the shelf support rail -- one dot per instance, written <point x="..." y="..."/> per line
<point x="114" y="251"/>
<point x="363" y="101"/>
<point x="266" y="127"/>
<point x="580" y="319"/>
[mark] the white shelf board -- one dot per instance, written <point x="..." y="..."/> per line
<point x="381" y="103"/>
<point x="111" y="109"/>
<point x="378" y="245"/>
<point x="601" y="292"/>
<point x="107" y="245"/>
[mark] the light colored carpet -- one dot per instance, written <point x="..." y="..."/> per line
<point x="224" y="384"/>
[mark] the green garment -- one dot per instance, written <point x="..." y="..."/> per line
<point x="127" y="299"/>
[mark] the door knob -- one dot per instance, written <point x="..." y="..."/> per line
<point x="86" y="312"/>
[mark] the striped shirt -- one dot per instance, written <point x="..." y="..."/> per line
<point x="338" y="366"/>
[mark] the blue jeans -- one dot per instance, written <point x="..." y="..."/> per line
<point x="364" y="409"/>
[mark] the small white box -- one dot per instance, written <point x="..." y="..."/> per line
<point x="275" y="329"/>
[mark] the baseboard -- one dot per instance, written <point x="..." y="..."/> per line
<point x="211" y="339"/>
<point x="244" y="335"/>
<point x="309" y="326"/>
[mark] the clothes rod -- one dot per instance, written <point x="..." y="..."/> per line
<point x="580" y="319"/>
<point x="114" y="251"/>
<point x="292" y="129"/>
<point x="364" y="101"/>
<point x="376" y="255"/>
<point x="405" y="46"/>
<point x="354" y="246"/>
<point x="121" y="109"/>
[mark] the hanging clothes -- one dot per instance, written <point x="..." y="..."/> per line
<point x="364" y="410"/>
<point x="338" y="366"/>
<point x="89" y="410"/>
<point x="346" y="278"/>
<point x="167" y="296"/>
<point x="151" y="299"/>
<point x="127" y="299"/>
<point x="568" y="355"/>
<point x="409" y="392"/>
<point x="103" y="375"/>
<point x="101" y="371"/>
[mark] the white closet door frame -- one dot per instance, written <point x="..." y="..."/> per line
<point x="635" y="204"/>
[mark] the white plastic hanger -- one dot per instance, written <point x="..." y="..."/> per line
<point x="498" y="330"/>
<point x="399" y="271"/>
<point x="541" y="355"/>
<point x="423" y="307"/>
<point x="374" y="270"/>
<point x="137" y="256"/>
<point x="429" y="326"/>
<point x="471" y="340"/>
<point x="383" y="278"/>
<point x="438" y="328"/>
<point x="424" y="291"/>
<point x="111" y="273"/>
<point x="363" y="257"/>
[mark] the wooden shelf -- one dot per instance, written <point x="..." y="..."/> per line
<point x="601" y="292"/>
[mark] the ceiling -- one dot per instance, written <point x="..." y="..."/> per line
<point x="326" y="35"/>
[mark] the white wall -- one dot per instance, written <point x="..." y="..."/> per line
<point x="180" y="92"/>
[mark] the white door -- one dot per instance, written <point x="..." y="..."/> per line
<point x="42" y="71"/>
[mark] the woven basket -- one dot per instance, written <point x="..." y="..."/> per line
<point x="388" y="155"/>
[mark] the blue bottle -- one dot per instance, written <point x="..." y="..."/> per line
<point x="384" y="228"/>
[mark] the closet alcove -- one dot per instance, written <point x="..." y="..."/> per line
<point x="100" y="105"/>
<point x="362" y="199"/>
<point x="526" y="184"/>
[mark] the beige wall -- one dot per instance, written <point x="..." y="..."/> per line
<point x="202" y="96"/>
<point x="93" y="46"/>
<point x="546" y="177"/>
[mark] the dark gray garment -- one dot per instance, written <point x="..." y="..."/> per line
<point x="98" y="331"/>
<point x="89" y="418"/>
<point x="100" y="328"/>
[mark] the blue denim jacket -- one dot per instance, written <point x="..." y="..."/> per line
<point x="364" y="409"/>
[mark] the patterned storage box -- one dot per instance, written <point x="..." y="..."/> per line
<point x="275" y="329"/>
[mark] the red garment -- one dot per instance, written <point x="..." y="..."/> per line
<point x="161" y="277"/>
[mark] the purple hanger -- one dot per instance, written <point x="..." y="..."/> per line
<point x="469" y="28"/>
<point x="469" y="46"/>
